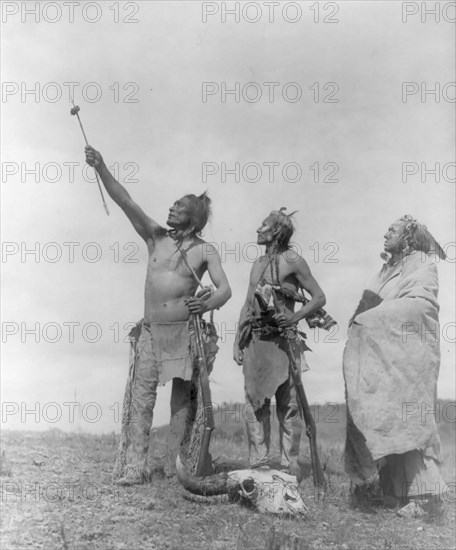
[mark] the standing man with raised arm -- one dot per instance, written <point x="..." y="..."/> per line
<point x="163" y="342"/>
<point x="266" y="337"/>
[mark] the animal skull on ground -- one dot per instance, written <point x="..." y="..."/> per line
<point x="268" y="490"/>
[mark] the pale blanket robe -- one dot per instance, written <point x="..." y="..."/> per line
<point x="391" y="365"/>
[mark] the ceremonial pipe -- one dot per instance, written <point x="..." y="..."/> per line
<point x="75" y="111"/>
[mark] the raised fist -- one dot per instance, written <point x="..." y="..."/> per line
<point x="93" y="158"/>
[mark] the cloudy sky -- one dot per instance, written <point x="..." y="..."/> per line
<point x="319" y="119"/>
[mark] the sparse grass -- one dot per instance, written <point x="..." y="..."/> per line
<point x="5" y="466"/>
<point x="58" y="495"/>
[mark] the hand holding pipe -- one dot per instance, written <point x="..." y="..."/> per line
<point x="75" y="111"/>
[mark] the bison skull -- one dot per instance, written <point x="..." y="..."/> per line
<point x="268" y="490"/>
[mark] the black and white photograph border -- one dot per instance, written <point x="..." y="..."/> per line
<point x="342" y="113"/>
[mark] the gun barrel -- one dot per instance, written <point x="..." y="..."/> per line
<point x="204" y="466"/>
<point x="317" y="471"/>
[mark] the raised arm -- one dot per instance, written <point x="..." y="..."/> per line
<point x="144" y="225"/>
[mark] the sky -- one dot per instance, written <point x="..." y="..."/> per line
<point x="329" y="112"/>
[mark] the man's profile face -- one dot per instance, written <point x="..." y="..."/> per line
<point x="180" y="213"/>
<point x="393" y="238"/>
<point x="265" y="231"/>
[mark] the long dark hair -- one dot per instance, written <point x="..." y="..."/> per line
<point x="283" y="222"/>
<point x="201" y="212"/>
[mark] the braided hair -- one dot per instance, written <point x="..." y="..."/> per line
<point x="282" y="221"/>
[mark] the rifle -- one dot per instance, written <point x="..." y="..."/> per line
<point x="311" y="431"/>
<point x="204" y="466"/>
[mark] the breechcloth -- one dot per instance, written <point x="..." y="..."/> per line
<point x="158" y="353"/>
<point x="266" y="371"/>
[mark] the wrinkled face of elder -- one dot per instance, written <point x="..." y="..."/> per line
<point x="394" y="238"/>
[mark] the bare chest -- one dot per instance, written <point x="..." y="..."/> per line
<point x="165" y="256"/>
<point x="273" y="272"/>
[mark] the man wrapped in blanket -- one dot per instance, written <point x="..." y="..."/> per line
<point x="391" y="365"/>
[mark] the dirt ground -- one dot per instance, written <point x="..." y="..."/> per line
<point x="57" y="493"/>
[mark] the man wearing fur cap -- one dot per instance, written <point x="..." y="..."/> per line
<point x="391" y="365"/>
<point x="163" y="343"/>
<point x="261" y="344"/>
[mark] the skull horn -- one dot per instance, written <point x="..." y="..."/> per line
<point x="217" y="484"/>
